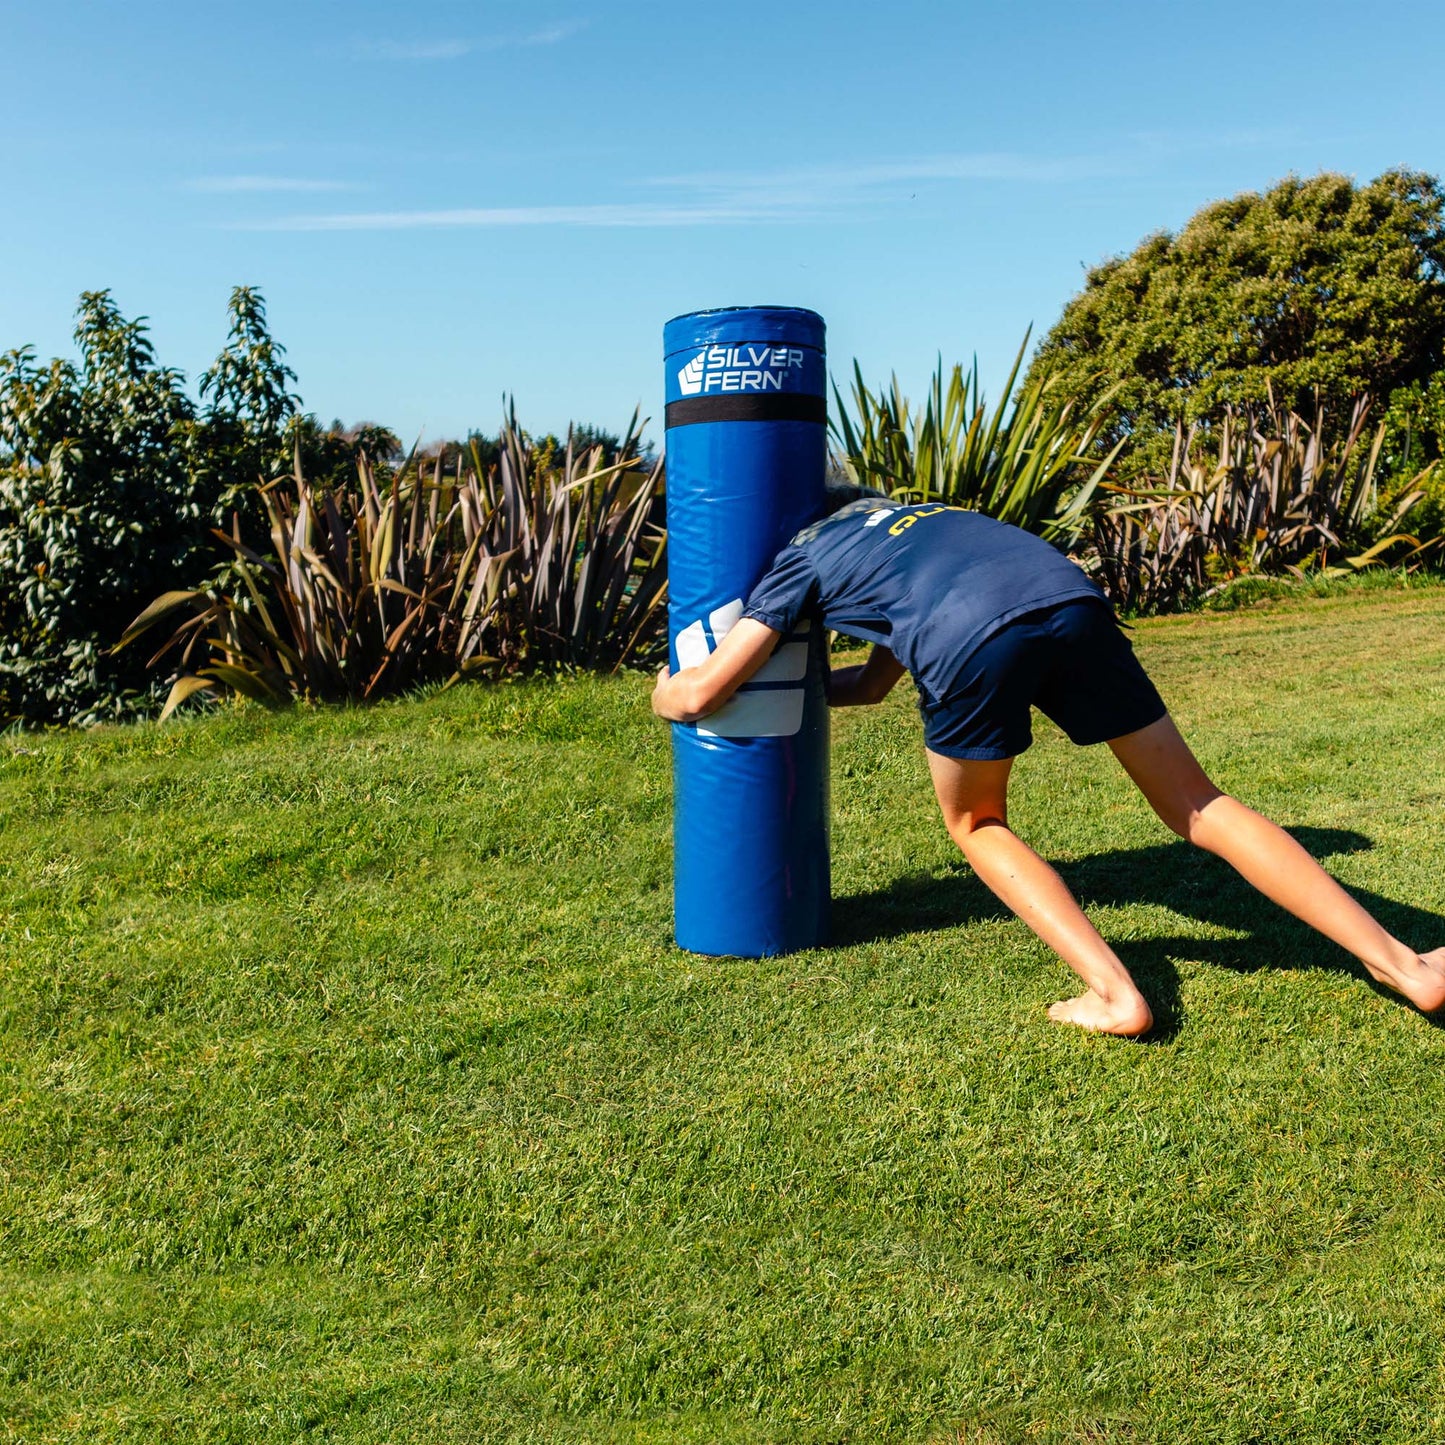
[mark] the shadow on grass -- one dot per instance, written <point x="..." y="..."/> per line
<point x="1173" y="875"/>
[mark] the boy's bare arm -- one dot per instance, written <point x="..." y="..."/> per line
<point x="870" y="681"/>
<point x="694" y="692"/>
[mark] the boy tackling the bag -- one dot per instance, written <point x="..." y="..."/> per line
<point x="990" y="622"/>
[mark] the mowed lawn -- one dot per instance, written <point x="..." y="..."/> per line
<point x="354" y="1091"/>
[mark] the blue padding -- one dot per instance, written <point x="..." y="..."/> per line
<point x="750" y="824"/>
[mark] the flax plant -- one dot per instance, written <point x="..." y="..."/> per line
<point x="537" y="562"/>
<point x="1030" y="459"/>
<point x="1266" y="490"/>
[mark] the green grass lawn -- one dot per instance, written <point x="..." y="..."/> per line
<point x="353" y="1090"/>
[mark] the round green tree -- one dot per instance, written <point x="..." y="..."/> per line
<point x="1315" y="286"/>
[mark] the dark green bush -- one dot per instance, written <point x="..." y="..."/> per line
<point x="243" y="432"/>
<point x="1318" y="287"/>
<point x="98" y="507"/>
<point x="110" y="480"/>
<point x="1413" y="452"/>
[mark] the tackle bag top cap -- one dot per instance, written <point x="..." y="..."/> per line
<point x="734" y="325"/>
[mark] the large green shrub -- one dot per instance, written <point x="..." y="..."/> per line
<point x="98" y="507"/>
<point x="1315" y="287"/>
<point x="242" y="434"/>
<point x="1415" y="422"/>
<point x="110" y="481"/>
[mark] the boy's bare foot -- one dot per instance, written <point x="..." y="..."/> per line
<point x="1434" y="962"/>
<point x="1127" y="1017"/>
<point x="1422" y="982"/>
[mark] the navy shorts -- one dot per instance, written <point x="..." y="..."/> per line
<point x="1071" y="661"/>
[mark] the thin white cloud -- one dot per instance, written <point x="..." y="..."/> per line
<point x="610" y="216"/>
<point x="235" y="185"/>
<point x="553" y="34"/>
<point x="1184" y="143"/>
<point x="1131" y="155"/>
<point x="414" y="49"/>
<point x="833" y="181"/>
<point x="724" y="198"/>
<point x="456" y="48"/>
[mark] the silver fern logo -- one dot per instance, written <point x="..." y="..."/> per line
<point x="689" y="379"/>
<point x="770" y="703"/>
<point x="739" y="368"/>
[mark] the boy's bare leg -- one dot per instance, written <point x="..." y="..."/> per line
<point x="1168" y="775"/>
<point x="974" y="799"/>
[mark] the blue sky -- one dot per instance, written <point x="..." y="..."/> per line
<point x="443" y="201"/>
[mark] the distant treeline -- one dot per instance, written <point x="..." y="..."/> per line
<point x="1262" y="393"/>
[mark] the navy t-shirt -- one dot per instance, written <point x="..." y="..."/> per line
<point x="931" y="583"/>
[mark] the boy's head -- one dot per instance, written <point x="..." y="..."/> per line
<point x="839" y="494"/>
